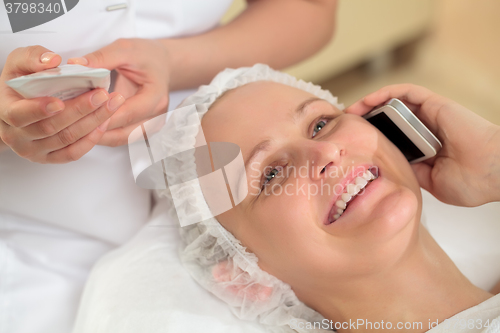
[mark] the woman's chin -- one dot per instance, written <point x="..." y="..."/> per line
<point x="381" y="212"/>
<point x="392" y="231"/>
<point x="397" y="212"/>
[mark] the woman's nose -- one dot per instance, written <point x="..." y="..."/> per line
<point x="321" y="157"/>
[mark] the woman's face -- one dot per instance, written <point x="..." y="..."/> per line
<point x="302" y="153"/>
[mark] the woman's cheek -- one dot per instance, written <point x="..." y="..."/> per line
<point x="288" y="208"/>
<point x="396" y="166"/>
<point x="370" y="139"/>
<point x="359" y="136"/>
<point x="282" y="223"/>
<point x="287" y="236"/>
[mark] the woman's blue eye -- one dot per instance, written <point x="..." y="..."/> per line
<point x="274" y="172"/>
<point x="319" y="125"/>
<point x="271" y="175"/>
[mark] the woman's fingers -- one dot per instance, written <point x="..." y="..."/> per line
<point x="148" y="102"/>
<point x="408" y="93"/>
<point x="126" y="87"/>
<point x="81" y="147"/>
<point x="143" y="78"/>
<point x="405" y="92"/>
<point x="423" y="173"/>
<point x="110" y="56"/>
<point x="425" y="104"/>
<point x="28" y="60"/>
<point x="45" y="129"/>
<point x="358" y="108"/>
<point x="75" y="126"/>
<point x="75" y="110"/>
<point x="454" y="175"/>
<point x="24" y="112"/>
<point x="120" y="136"/>
<point x="14" y="110"/>
<point x="73" y="133"/>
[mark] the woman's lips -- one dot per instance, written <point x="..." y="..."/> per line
<point x="353" y="186"/>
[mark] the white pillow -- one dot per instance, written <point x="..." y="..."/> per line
<point x="470" y="237"/>
<point x="142" y="286"/>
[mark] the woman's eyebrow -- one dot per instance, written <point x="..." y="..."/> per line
<point x="261" y="146"/>
<point x="298" y="113"/>
<point x="264" y="145"/>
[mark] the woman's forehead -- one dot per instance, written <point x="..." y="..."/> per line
<point x="261" y="100"/>
<point x="247" y="112"/>
<point x="261" y="112"/>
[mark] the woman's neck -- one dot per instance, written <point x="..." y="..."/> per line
<point x="424" y="288"/>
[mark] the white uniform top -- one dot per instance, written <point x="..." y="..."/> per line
<point x="95" y="195"/>
<point x="56" y="220"/>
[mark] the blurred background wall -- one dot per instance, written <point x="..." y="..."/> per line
<point x="449" y="46"/>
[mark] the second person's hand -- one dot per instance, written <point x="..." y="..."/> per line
<point x="466" y="171"/>
<point x="45" y="129"/>
<point x="143" y="79"/>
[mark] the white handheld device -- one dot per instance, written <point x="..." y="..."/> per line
<point x="396" y="121"/>
<point x="64" y="82"/>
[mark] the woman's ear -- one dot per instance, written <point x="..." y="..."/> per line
<point x="239" y="283"/>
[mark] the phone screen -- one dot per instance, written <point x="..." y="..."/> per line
<point x="396" y="136"/>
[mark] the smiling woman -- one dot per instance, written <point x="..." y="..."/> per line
<point x="330" y="232"/>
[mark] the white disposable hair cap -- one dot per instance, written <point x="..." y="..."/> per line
<point x="212" y="255"/>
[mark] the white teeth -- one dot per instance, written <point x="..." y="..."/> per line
<point x="366" y="175"/>
<point x="361" y="182"/>
<point x="346" y="197"/>
<point x="351" y="189"/>
<point x="358" y="189"/>
<point x="340" y="204"/>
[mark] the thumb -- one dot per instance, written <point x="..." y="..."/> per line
<point x="28" y="60"/>
<point x="110" y="57"/>
<point x="423" y="172"/>
<point x="359" y="108"/>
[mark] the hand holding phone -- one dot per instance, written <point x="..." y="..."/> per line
<point x="466" y="171"/>
<point x="405" y="130"/>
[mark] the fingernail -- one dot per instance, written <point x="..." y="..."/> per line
<point x="53" y="107"/>
<point x="115" y="102"/>
<point x="47" y="57"/>
<point x="79" y="61"/>
<point x="104" y="125"/>
<point x="99" y="97"/>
